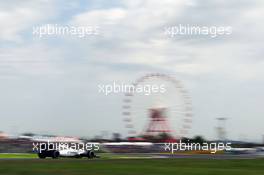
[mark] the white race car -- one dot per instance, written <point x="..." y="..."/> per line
<point x="66" y="152"/>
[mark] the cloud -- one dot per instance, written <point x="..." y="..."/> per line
<point x="30" y="60"/>
<point x="100" y="17"/>
<point x="135" y="34"/>
<point x="17" y="16"/>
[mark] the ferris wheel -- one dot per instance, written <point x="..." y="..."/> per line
<point x="167" y="111"/>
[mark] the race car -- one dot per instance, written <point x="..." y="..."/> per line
<point x="65" y="152"/>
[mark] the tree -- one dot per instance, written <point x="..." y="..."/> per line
<point x="198" y="139"/>
<point x="116" y="137"/>
<point x="28" y="134"/>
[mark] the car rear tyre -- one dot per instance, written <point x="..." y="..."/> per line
<point x="41" y="156"/>
<point x="90" y="154"/>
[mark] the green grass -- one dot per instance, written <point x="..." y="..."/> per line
<point x="132" y="167"/>
<point x="16" y="155"/>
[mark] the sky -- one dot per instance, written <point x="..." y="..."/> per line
<point x="50" y="84"/>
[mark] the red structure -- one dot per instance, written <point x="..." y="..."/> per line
<point x="158" y="123"/>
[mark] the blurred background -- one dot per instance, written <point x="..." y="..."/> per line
<point x="49" y="85"/>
